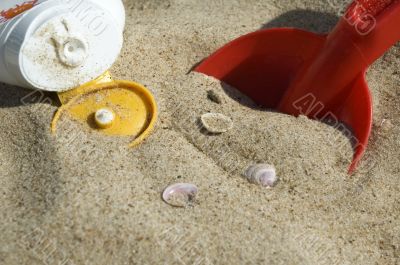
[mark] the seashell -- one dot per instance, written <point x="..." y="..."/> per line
<point x="180" y="194"/>
<point x="262" y="174"/>
<point x="386" y="125"/>
<point x="216" y="122"/>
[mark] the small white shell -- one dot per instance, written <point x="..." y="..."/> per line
<point x="180" y="194"/>
<point x="104" y="118"/>
<point x="262" y="174"/>
<point x="216" y="122"/>
<point x="386" y="125"/>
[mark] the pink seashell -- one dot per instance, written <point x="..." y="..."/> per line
<point x="180" y="194"/>
<point x="262" y="174"/>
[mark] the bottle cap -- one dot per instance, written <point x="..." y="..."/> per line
<point x="111" y="107"/>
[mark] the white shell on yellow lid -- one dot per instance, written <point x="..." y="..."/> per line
<point x="104" y="118"/>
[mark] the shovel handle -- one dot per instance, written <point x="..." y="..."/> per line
<point x="372" y="25"/>
<point x="366" y="31"/>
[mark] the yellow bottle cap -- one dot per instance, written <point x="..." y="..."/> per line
<point x="115" y="108"/>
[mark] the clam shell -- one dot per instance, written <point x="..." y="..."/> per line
<point x="180" y="194"/>
<point x="386" y="125"/>
<point x="216" y="122"/>
<point x="262" y="174"/>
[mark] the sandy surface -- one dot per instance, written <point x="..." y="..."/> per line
<point x="80" y="198"/>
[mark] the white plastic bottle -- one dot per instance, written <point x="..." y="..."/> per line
<point x="56" y="45"/>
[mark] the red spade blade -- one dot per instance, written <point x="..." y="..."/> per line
<point x="263" y="64"/>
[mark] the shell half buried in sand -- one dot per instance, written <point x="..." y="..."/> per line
<point x="180" y="194"/>
<point x="216" y="122"/>
<point x="262" y="174"/>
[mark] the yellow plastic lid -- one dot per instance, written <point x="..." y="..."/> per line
<point x="111" y="107"/>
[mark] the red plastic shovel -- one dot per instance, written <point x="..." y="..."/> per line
<point x="320" y="76"/>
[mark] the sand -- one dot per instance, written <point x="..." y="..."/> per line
<point x="81" y="198"/>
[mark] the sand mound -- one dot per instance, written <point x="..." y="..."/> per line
<point x="81" y="198"/>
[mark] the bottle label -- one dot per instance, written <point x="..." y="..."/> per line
<point x="12" y="8"/>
